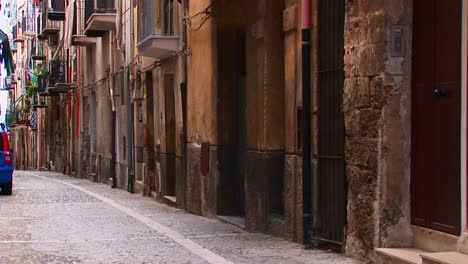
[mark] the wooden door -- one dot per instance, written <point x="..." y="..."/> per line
<point x="436" y="115"/>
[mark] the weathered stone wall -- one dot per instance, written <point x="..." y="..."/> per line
<point x="377" y="118"/>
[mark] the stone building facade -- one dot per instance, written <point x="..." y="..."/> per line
<point x="199" y="104"/>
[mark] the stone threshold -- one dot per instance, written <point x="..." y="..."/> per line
<point x="170" y="199"/>
<point x="238" y="221"/>
<point x="403" y="255"/>
<point x="420" y="256"/>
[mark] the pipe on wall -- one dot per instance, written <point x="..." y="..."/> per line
<point x="306" y="121"/>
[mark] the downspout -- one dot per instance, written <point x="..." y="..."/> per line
<point x="184" y="96"/>
<point x="306" y="121"/>
<point x="113" y="121"/>
<point x="130" y="105"/>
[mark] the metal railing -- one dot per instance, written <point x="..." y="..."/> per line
<point x="98" y="6"/>
<point x="58" y="72"/>
<point x="17" y="116"/>
<point x="46" y="23"/>
<point x="57" y="5"/>
<point x="15" y="32"/>
<point x="23" y="24"/>
<point x="38" y="25"/>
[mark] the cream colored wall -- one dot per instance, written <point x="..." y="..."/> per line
<point x="201" y="92"/>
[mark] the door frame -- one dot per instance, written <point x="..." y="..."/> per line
<point x="463" y="224"/>
<point x="464" y="118"/>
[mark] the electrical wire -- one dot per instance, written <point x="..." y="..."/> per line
<point x="207" y="14"/>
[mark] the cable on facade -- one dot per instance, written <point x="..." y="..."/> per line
<point x="108" y="76"/>
<point x="207" y="14"/>
<point x="184" y="52"/>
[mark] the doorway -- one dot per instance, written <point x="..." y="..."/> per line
<point x="436" y="95"/>
<point x="232" y="114"/>
<point x="149" y="135"/>
<point x="332" y="187"/>
<point x="170" y="134"/>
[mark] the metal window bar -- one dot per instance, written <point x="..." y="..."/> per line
<point x="332" y="177"/>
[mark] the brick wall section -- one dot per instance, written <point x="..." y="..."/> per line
<point x="376" y="105"/>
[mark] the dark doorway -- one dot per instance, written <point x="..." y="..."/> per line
<point x="331" y="179"/>
<point x="232" y="154"/>
<point x="436" y="94"/>
<point x="149" y="128"/>
<point x="170" y="134"/>
<point x="241" y="69"/>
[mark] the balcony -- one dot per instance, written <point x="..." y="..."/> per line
<point x="38" y="98"/>
<point x="17" y="35"/>
<point x="39" y="34"/>
<point x="29" y="21"/>
<point x="59" y="78"/>
<point x="154" y="42"/>
<point x="18" y="115"/>
<point x="78" y="36"/>
<point x="99" y="17"/>
<point x="49" y="27"/>
<point x="56" y="11"/>
<point x="38" y="54"/>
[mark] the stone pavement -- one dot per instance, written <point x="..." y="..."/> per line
<point x="53" y="218"/>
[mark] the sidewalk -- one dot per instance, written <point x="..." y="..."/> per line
<point x="127" y="226"/>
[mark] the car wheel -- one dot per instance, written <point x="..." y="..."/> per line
<point x="7" y="189"/>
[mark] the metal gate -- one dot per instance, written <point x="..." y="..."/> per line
<point x="331" y="172"/>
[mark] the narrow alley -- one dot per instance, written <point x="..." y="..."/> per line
<point x="53" y="218"/>
<point x="234" y="131"/>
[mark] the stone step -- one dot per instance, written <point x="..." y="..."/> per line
<point x="400" y="255"/>
<point x="444" y="258"/>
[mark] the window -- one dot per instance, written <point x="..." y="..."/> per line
<point x="169" y="17"/>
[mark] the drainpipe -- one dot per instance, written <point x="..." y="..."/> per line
<point x="306" y="122"/>
<point x="184" y="94"/>
<point x="130" y="105"/>
<point x="110" y="84"/>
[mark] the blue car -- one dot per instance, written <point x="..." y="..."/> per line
<point x="6" y="165"/>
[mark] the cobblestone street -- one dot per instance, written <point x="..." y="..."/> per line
<point x="53" y="218"/>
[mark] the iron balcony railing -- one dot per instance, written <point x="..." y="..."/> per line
<point x="38" y="25"/>
<point x="56" y="10"/>
<point x="47" y="24"/>
<point x="15" y="32"/>
<point x="98" y="6"/>
<point x="23" y="24"/>
<point x="18" y="116"/>
<point x="58" y="72"/>
<point x="57" y="5"/>
<point x="42" y="83"/>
